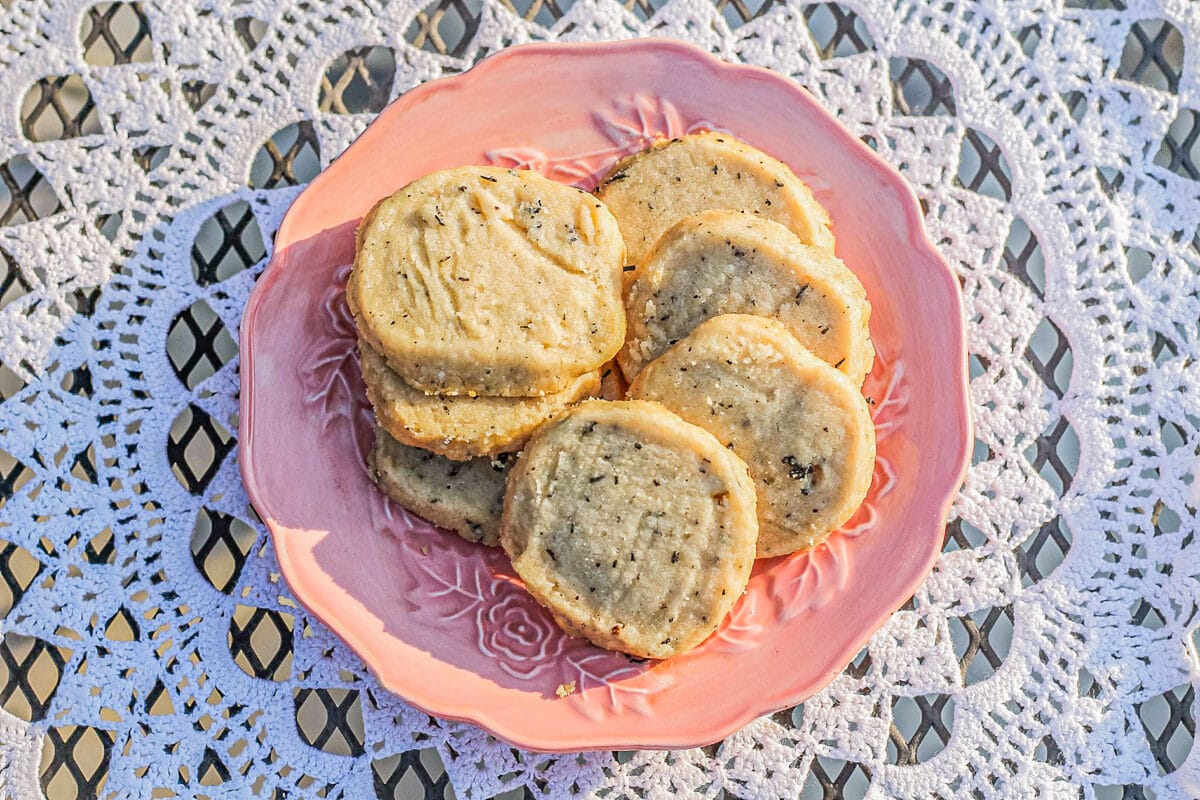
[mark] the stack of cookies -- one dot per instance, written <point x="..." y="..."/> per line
<point x="744" y="322"/>
<point x="486" y="301"/>
<point x="490" y="304"/>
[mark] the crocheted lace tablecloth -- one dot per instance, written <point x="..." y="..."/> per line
<point x="150" y="648"/>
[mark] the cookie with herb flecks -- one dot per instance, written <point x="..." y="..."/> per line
<point x="461" y="428"/>
<point x="650" y="191"/>
<point x="479" y="280"/>
<point x="636" y="529"/>
<point x="465" y="496"/>
<point x="728" y="262"/>
<point x="801" y="426"/>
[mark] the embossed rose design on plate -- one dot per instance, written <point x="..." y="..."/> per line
<point x="446" y="624"/>
<point x="509" y="630"/>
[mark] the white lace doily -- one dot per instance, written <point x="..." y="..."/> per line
<point x="1051" y="654"/>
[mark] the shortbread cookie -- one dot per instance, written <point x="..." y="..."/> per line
<point x="650" y="191"/>
<point x="801" y="426"/>
<point x="465" y="496"/>
<point x="728" y="262"/>
<point x="481" y="280"/>
<point x="461" y="428"/>
<point x="635" y="528"/>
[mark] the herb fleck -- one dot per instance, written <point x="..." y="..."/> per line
<point x="796" y="470"/>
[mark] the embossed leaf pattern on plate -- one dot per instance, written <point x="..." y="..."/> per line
<point x="631" y="125"/>
<point x="332" y="381"/>
<point x="741" y="627"/>
<point x="604" y="681"/>
<point x="330" y="374"/>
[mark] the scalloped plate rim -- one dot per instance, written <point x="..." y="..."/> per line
<point x="772" y="700"/>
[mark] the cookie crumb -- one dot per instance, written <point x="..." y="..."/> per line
<point x="565" y="689"/>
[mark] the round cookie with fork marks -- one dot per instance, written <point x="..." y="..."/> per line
<point x="650" y="191"/>
<point x="800" y="425"/>
<point x="466" y="497"/>
<point x="728" y="262"/>
<point x="461" y="428"/>
<point x="479" y="280"/>
<point x="635" y="528"/>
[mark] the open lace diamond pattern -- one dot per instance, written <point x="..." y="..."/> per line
<point x="1060" y="568"/>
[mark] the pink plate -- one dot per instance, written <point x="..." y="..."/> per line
<point x="443" y="623"/>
